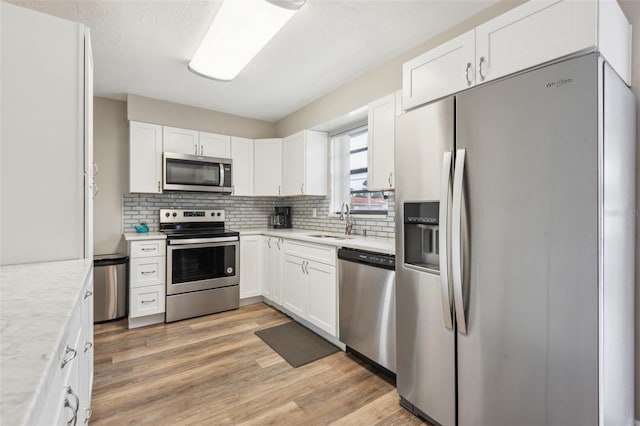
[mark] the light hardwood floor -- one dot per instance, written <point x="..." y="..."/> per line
<point x="214" y="370"/>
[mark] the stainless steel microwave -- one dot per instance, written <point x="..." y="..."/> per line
<point x="183" y="172"/>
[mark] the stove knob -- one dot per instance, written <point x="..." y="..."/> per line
<point x="167" y="214"/>
<point x="213" y="214"/>
<point x="219" y="214"/>
<point x="175" y="214"/>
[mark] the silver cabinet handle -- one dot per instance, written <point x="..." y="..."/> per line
<point x="466" y="73"/>
<point x="306" y="267"/>
<point x="68" y="350"/>
<point x="445" y="205"/>
<point x="278" y="242"/>
<point x="302" y="266"/>
<point x="90" y="413"/>
<point x="158" y="186"/>
<point x="148" y="249"/>
<point x="460" y="290"/>
<point x="390" y="175"/>
<point x="148" y="301"/>
<point x="196" y="149"/>
<point x="67" y="404"/>
<point x="302" y="188"/>
<point x="88" y="293"/>
<point x="96" y="189"/>
<point x="87" y="346"/>
<point x="233" y="190"/>
<point x="278" y="189"/>
<point x="201" y="150"/>
<point x="147" y="272"/>
<point x="95" y="169"/>
<point x="482" y="61"/>
<point x="269" y="243"/>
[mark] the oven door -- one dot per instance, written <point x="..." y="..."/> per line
<point x="194" y="267"/>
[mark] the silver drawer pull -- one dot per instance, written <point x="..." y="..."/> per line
<point x="147" y="272"/>
<point x="68" y="350"/>
<point x="89" y="412"/>
<point x="88" y="293"/>
<point x="87" y="346"/>
<point x="148" y="301"/>
<point x="148" y="249"/>
<point x="74" y="419"/>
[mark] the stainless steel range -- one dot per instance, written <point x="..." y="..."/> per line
<point x="203" y="273"/>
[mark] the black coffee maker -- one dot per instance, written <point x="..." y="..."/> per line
<point x="282" y="218"/>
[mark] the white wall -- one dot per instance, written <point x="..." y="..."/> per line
<point x="631" y="9"/>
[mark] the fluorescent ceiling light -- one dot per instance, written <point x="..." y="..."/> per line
<point x="238" y="32"/>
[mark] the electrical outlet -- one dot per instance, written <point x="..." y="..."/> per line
<point x="315" y="212"/>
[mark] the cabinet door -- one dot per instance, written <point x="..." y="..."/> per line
<point x="439" y="72"/>
<point x="250" y="259"/>
<point x="322" y="306"/>
<point x="180" y="141"/>
<point x="242" y="167"/>
<point x="296" y="285"/>
<point x="293" y="164"/>
<point x="277" y="248"/>
<point x="266" y="267"/>
<point x="381" y="140"/>
<point x="316" y="158"/>
<point x="534" y="33"/>
<point x="145" y="157"/>
<point x="214" y="145"/>
<point x="267" y="176"/>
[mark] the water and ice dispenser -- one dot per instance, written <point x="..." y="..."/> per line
<point x="422" y="235"/>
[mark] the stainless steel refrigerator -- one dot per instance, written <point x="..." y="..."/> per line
<point x="515" y="251"/>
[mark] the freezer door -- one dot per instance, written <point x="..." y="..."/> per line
<point x="425" y="347"/>
<point x="530" y="193"/>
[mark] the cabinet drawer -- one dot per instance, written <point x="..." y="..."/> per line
<point x="148" y="248"/>
<point x="147" y="271"/>
<point x="310" y="251"/>
<point x="146" y="301"/>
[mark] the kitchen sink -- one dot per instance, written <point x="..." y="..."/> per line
<point x="329" y="237"/>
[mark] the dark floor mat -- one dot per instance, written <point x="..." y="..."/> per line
<point x="296" y="344"/>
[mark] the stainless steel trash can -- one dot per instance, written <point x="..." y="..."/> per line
<point x="110" y="273"/>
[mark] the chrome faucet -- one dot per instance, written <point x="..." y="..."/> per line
<point x="346" y="217"/>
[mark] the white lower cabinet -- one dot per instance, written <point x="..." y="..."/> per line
<point x="310" y="284"/>
<point x="147" y="278"/>
<point x="250" y="276"/>
<point x="67" y="399"/>
<point x="272" y="249"/>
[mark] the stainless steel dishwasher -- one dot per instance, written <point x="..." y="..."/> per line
<point x="368" y="304"/>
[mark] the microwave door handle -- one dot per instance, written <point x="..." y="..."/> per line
<point x="221" y="174"/>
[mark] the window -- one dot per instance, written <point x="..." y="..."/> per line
<point x="349" y="175"/>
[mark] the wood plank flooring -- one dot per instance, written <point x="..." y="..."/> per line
<point x="214" y="370"/>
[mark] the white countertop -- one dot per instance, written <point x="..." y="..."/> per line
<point x="375" y="244"/>
<point x="137" y="236"/>
<point x="36" y="302"/>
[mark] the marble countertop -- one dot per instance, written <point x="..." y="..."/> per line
<point x="137" y="236"/>
<point x="375" y="244"/>
<point x="36" y="302"/>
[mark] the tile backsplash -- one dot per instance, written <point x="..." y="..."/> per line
<point x="252" y="212"/>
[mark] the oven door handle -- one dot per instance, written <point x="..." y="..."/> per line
<point x="186" y="241"/>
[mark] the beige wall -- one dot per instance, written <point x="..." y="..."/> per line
<point x="111" y="154"/>
<point x="631" y="9"/>
<point x="155" y="111"/>
<point x="378" y="82"/>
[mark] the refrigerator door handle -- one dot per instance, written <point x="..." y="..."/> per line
<point x="457" y="228"/>
<point x="445" y="203"/>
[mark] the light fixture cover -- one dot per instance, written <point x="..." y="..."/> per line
<point x="239" y="31"/>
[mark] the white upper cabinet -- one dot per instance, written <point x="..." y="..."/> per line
<point x="304" y="163"/>
<point x="214" y="145"/>
<point x="531" y="34"/>
<point x="180" y="141"/>
<point x="242" y="168"/>
<point x="381" y="141"/>
<point x="439" y="72"/>
<point x="145" y="157"/>
<point x="267" y="176"/>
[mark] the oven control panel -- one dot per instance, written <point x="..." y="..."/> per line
<point x="181" y="216"/>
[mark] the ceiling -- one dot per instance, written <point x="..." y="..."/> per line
<point x="143" y="48"/>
